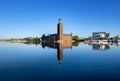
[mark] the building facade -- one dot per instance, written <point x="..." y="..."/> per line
<point x="118" y="37"/>
<point x="59" y="37"/>
<point x="100" y="36"/>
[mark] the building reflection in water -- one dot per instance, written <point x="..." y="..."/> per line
<point x="59" y="47"/>
<point x="118" y="44"/>
<point x="100" y="47"/>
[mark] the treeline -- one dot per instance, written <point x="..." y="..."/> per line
<point x="39" y="39"/>
<point x="33" y="39"/>
<point x="77" y="39"/>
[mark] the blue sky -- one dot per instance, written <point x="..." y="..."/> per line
<point x="31" y="18"/>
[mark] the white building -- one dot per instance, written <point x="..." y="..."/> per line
<point x="100" y="35"/>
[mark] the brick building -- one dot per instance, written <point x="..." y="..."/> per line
<point x="59" y="37"/>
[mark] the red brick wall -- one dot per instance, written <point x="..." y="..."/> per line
<point x="67" y="38"/>
<point x="60" y="30"/>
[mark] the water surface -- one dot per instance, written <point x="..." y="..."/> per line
<point x="83" y="62"/>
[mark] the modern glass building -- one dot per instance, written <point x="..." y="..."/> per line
<point x="100" y="35"/>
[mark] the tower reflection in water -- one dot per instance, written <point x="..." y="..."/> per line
<point x="59" y="47"/>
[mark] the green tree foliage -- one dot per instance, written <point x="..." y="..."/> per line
<point x="75" y="37"/>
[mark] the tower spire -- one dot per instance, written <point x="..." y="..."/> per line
<point x="60" y="20"/>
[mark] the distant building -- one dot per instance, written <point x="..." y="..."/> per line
<point x="100" y="35"/>
<point x="59" y="37"/>
<point x="118" y="37"/>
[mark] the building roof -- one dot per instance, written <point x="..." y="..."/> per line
<point x="53" y="35"/>
<point x="99" y="32"/>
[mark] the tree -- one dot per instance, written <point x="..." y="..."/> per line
<point x="75" y="37"/>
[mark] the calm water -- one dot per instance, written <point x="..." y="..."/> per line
<point x="85" y="62"/>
